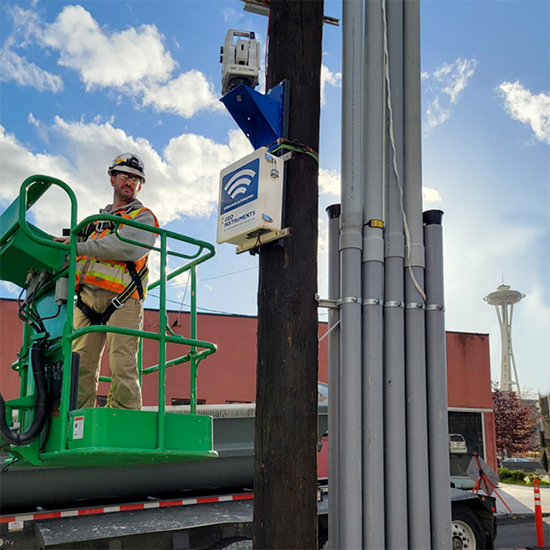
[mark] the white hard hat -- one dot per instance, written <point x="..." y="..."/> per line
<point x="128" y="163"/>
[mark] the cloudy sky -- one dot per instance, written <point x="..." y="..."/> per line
<point x="83" y="82"/>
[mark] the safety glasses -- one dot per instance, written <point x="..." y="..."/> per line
<point x="138" y="180"/>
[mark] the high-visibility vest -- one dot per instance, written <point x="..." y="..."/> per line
<point x="112" y="275"/>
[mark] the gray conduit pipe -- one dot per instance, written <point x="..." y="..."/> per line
<point x="333" y="212"/>
<point x="415" y="339"/>
<point x="438" y="427"/>
<point x="395" y="470"/>
<point x="373" y="282"/>
<point x="351" y="221"/>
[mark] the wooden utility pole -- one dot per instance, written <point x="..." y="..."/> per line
<point x="285" y="496"/>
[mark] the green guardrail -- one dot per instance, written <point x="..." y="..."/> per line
<point x="13" y="227"/>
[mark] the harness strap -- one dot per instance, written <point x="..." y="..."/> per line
<point x="94" y="316"/>
<point x="136" y="279"/>
<point x="117" y="302"/>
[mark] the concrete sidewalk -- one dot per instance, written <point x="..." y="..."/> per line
<point x="521" y="500"/>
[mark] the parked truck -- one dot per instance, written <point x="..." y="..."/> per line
<point x="188" y="505"/>
<point x="164" y="477"/>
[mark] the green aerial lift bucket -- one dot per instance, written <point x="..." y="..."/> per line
<point x="94" y="436"/>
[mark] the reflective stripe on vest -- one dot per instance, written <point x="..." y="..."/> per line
<point x="111" y="275"/>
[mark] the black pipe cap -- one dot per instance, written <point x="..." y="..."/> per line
<point x="433" y="217"/>
<point x="334" y="211"/>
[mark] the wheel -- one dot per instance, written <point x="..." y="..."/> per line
<point x="467" y="529"/>
<point x="233" y="543"/>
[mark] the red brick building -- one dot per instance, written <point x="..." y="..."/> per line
<point x="230" y="374"/>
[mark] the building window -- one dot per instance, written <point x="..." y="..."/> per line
<point x="465" y="439"/>
<point x="186" y="401"/>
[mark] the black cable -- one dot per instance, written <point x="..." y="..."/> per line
<point x="8" y="466"/>
<point x="20" y="307"/>
<point x="296" y="146"/>
<point x="47" y="428"/>
<point x="40" y="408"/>
<point x="175" y="323"/>
<point x="53" y="316"/>
<point x="34" y="312"/>
<point x="26" y="320"/>
<point x="217" y="276"/>
<point x="22" y="316"/>
<point x="198" y="307"/>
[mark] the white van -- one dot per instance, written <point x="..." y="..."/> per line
<point x="457" y="444"/>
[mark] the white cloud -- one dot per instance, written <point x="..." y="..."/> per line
<point x="26" y="25"/>
<point x="322" y="240"/>
<point x="436" y="114"/>
<point x="17" y="68"/>
<point x="18" y="163"/>
<point x="11" y="288"/>
<point x="133" y="62"/>
<point x="107" y="58"/>
<point x="41" y="130"/>
<point x="526" y="107"/>
<point x="33" y="121"/>
<point x="431" y="196"/>
<point x="181" y="280"/>
<point x="195" y="163"/>
<point x="231" y="15"/>
<point x="454" y="77"/>
<point x="183" y="182"/>
<point x="446" y="84"/>
<point x="328" y="78"/>
<point x="185" y="95"/>
<point x="329" y="182"/>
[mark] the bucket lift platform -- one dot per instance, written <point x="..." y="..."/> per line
<point x="31" y="259"/>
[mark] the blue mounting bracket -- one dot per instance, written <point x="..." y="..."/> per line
<point x="263" y="118"/>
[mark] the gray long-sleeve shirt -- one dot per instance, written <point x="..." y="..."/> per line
<point x="110" y="247"/>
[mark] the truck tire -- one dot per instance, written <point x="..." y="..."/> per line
<point x="467" y="530"/>
<point x="233" y="543"/>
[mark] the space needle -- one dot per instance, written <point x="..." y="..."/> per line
<point x="504" y="299"/>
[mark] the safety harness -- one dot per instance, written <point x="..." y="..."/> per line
<point x="95" y="317"/>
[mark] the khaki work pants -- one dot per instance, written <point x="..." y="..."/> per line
<point x="125" y="392"/>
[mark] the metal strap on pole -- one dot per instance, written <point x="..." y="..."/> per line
<point x="373" y="302"/>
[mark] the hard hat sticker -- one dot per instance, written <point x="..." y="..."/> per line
<point x="240" y="186"/>
<point x="78" y="427"/>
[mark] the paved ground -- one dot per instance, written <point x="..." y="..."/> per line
<point x="521" y="499"/>
<point x="519" y="534"/>
<point x="517" y="530"/>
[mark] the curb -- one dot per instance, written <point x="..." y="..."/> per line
<point x="511" y="518"/>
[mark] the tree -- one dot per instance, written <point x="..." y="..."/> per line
<point x="515" y="423"/>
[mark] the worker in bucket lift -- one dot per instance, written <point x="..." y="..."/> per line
<point x="111" y="283"/>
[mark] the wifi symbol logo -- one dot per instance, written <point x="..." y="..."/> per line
<point x="238" y="183"/>
<point x="239" y="186"/>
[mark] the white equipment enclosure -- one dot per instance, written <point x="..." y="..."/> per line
<point x="251" y="201"/>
